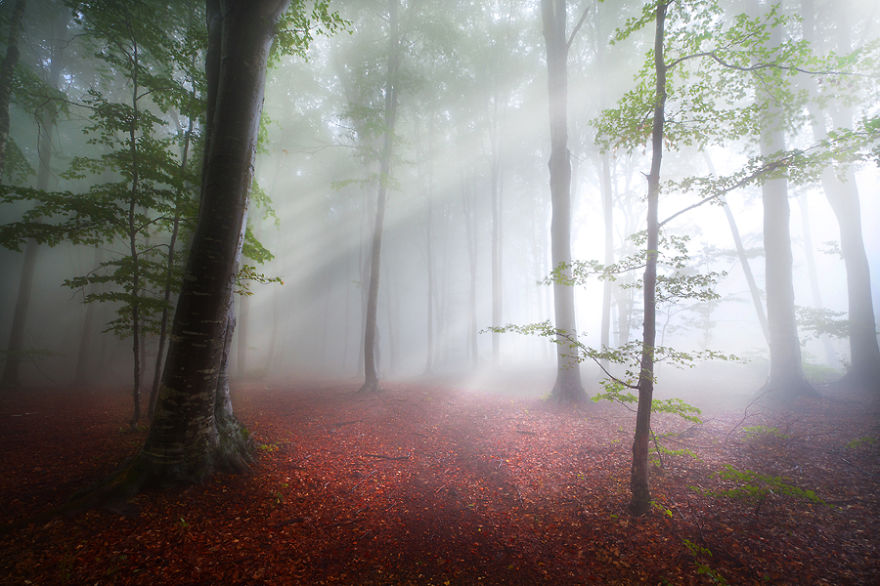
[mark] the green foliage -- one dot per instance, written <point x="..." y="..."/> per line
<point x="702" y="556"/>
<point x="299" y="24"/>
<point x="618" y="388"/>
<point x="723" y="77"/>
<point x="861" y="442"/>
<point x="680" y="281"/>
<point x="714" y="62"/>
<point x="754" y="486"/>
<point x="759" y="431"/>
<point x="817" y="322"/>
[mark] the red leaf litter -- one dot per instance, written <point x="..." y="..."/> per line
<point x="427" y="484"/>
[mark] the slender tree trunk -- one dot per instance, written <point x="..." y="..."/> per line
<point x="11" y="378"/>
<point x="743" y="260"/>
<point x="371" y="377"/>
<point x="7" y="72"/>
<point x="810" y="255"/>
<point x="163" y="321"/>
<point x="608" y="215"/>
<point x="568" y="388"/>
<point x="244" y="312"/>
<point x="471" y="237"/>
<point x="192" y="432"/>
<point x="747" y="271"/>
<point x="429" y="252"/>
<point x="641" y="496"/>
<point x="169" y="279"/>
<point x="83" y="372"/>
<point x="133" y="230"/>
<point x="495" y="202"/>
<point x="15" y="349"/>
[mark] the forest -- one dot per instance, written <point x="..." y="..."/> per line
<point x="440" y="292"/>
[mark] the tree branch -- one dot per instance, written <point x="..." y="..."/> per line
<point x="767" y="168"/>
<point x="577" y="28"/>
<point x="759" y="66"/>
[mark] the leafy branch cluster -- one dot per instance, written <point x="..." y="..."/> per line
<point x="679" y="282"/>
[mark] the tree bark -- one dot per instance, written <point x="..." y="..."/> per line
<point x="7" y="72"/>
<point x="641" y="495"/>
<point x="371" y="377"/>
<point x="194" y="432"/>
<point x="568" y="388"/>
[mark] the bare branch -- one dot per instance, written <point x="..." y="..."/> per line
<point x="577" y="27"/>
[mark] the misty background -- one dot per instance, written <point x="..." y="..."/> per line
<point x="469" y="174"/>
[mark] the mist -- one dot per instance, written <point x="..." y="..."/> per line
<point x="471" y="112"/>
<point x="429" y="183"/>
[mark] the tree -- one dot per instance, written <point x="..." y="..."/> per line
<point x="194" y="431"/>
<point x="843" y="195"/>
<point x="568" y="387"/>
<point x="641" y="497"/>
<point x="148" y="193"/>
<point x="371" y="376"/>
<point x="786" y="376"/>
<point x="7" y="71"/>
<point x="704" y="55"/>
<point x="46" y="107"/>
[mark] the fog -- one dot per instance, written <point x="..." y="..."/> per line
<point x="472" y="118"/>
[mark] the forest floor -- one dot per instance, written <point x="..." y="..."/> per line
<point x="426" y="484"/>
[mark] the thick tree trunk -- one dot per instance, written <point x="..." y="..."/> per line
<point x="641" y="495"/>
<point x="7" y="72"/>
<point x="864" y="369"/>
<point x="786" y="373"/>
<point x="786" y="379"/>
<point x="371" y="376"/>
<point x="568" y="388"/>
<point x="191" y="434"/>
